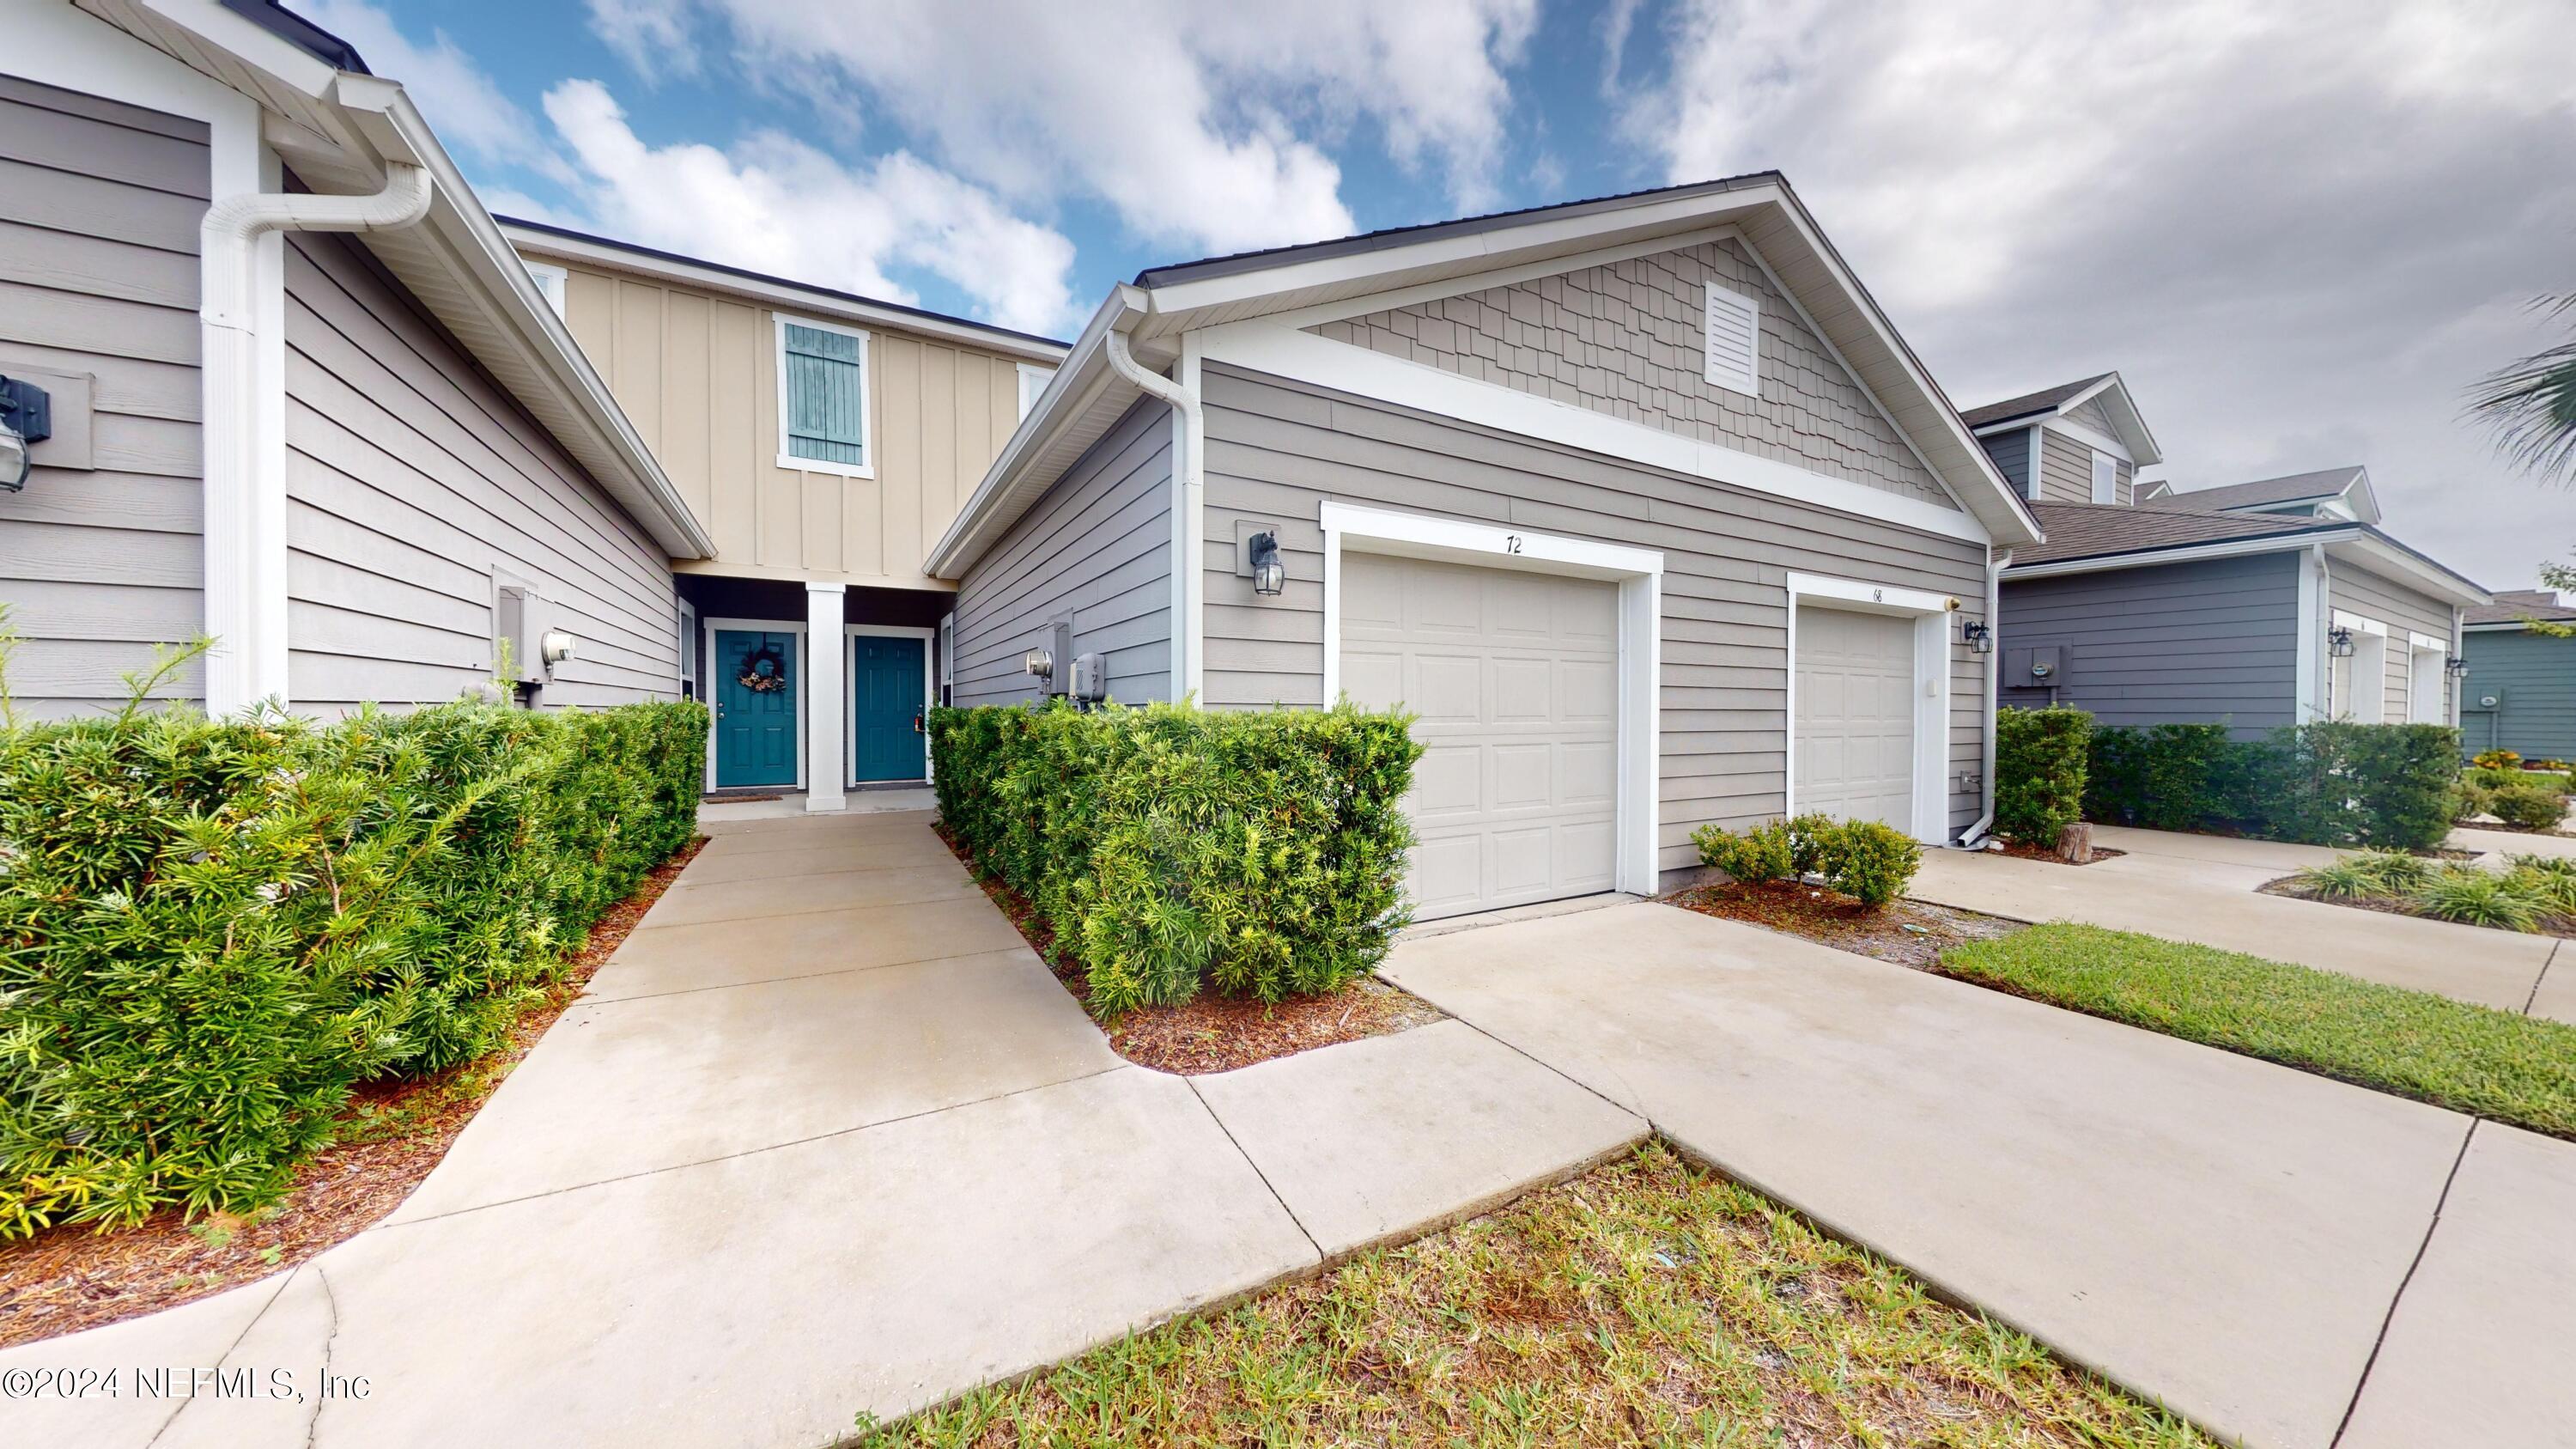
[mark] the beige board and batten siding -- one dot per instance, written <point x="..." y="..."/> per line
<point x="2405" y="610"/>
<point x="99" y="208"/>
<point x="696" y="371"/>
<point x="1627" y="339"/>
<point x="1276" y="450"/>
<point x="2066" y="471"/>
<point x="1096" y="550"/>
<point x="414" y="484"/>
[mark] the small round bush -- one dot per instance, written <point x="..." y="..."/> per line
<point x="1757" y="855"/>
<point x="2469" y="799"/>
<point x="2528" y="806"/>
<point x="1870" y="862"/>
<point x="2496" y="760"/>
<point x="2477" y="897"/>
<point x="1812" y="840"/>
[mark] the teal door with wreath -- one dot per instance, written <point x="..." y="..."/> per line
<point x="755" y="698"/>
<point x="885" y="721"/>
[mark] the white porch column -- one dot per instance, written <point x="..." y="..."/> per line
<point x="827" y="697"/>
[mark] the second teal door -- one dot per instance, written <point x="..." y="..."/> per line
<point x="885" y="721"/>
<point x="755" y="698"/>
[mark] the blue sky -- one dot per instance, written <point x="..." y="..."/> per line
<point x="2299" y="228"/>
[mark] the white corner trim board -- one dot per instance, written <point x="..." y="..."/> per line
<point x="1319" y="361"/>
<point x="1931" y="614"/>
<point x="1639" y="572"/>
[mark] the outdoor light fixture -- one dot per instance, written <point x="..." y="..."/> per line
<point x="26" y="419"/>
<point x="2456" y="667"/>
<point x="1981" y="640"/>
<point x="1269" y="575"/>
<point x="2339" y="642"/>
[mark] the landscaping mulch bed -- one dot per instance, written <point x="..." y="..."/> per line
<point x="1215" y="1033"/>
<point x="71" y="1277"/>
<point x="1907" y="933"/>
<point x="2563" y="927"/>
<point x="2481" y="823"/>
<point x="2019" y="851"/>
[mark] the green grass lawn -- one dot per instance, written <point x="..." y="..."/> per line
<point x="1642" y="1303"/>
<point x="2497" y="1064"/>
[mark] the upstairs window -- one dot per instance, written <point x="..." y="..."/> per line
<point x="823" y="398"/>
<point x="2106" y="478"/>
<point x="550" y="282"/>
<point x="1733" y="341"/>
<point x="1033" y="385"/>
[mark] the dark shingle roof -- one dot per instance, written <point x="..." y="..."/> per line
<point x="2093" y="530"/>
<point x="2324" y="483"/>
<point x="2029" y="402"/>
<point x="2512" y="606"/>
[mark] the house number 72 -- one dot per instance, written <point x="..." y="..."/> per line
<point x="1511" y="543"/>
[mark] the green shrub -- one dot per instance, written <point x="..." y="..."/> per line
<point x="1258" y="852"/>
<point x="2549" y="879"/>
<point x="2477" y="897"/>
<point x="2397" y="871"/>
<point x="2330" y="783"/>
<point x="2040" y="757"/>
<point x="2470" y="799"/>
<point x="1870" y="862"/>
<point x="1812" y="837"/>
<point x="2346" y="879"/>
<point x="2528" y="807"/>
<point x="210" y="930"/>
<point x="2496" y="760"/>
<point x="1752" y="857"/>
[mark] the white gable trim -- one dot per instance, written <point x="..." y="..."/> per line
<point x="1303" y="357"/>
<point x="2099" y="442"/>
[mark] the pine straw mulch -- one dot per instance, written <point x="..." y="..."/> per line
<point x="1907" y="933"/>
<point x="72" y="1277"/>
<point x="2019" y="851"/>
<point x="1214" y="1033"/>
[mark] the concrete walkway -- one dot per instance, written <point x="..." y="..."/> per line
<point x="824" y="1137"/>
<point x="2206" y="889"/>
<point x="2225" y="1235"/>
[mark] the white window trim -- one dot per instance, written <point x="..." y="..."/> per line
<point x="2373" y="646"/>
<point x="1931" y="614"/>
<point x="1751" y="386"/>
<point x="553" y="283"/>
<point x="781" y="321"/>
<point x="2106" y="477"/>
<point x="1032" y="373"/>
<point x="1639" y="574"/>
<point x="2418" y="647"/>
<point x="853" y="633"/>
<point x="708" y="628"/>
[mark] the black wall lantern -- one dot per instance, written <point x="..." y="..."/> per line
<point x="2339" y="642"/>
<point x="1269" y="575"/>
<point x="26" y="419"/>
<point x="1980" y="639"/>
<point x="2456" y="667"/>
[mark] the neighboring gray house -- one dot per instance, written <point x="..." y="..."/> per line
<point x="2087" y="438"/>
<point x="1640" y="503"/>
<point x="359" y="462"/>
<point x="2520" y="691"/>
<point x="2256" y="605"/>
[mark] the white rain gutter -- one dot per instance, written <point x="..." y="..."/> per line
<point x="1188" y="520"/>
<point x="245" y="473"/>
<point x="1996" y="563"/>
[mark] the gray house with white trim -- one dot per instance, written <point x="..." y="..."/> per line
<point x="2520" y="691"/>
<point x="1639" y="503"/>
<point x="2255" y="605"/>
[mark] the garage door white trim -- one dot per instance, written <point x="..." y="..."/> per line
<point x="1931" y="615"/>
<point x="1639" y="572"/>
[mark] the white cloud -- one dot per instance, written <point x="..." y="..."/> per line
<point x="1183" y="118"/>
<point x="775" y="204"/>
<point x="2299" y="229"/>
<point x="469" y="111"/>
<point x="651" y="35"/>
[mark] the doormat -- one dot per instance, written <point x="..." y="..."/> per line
<point x="736" y="799"/>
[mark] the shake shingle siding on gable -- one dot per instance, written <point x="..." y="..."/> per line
<point x="99" y="206"/>
<point x="412" y="479"/>
<point x="2213" y="640"/>
<point x="1626" y="339"/>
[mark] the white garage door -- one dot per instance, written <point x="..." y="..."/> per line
<point x="1856" y="715"/>
<point x="1515" y="679"/>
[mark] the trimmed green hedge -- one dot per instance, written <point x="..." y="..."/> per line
<point x="1864" y="859"/>
<point x="2332" y="783"/>
<point x="1260" y="852"/>
<point x="210" y="930"/>
<point x="2040" y="757"/>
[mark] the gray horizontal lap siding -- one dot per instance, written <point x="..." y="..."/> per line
<point x="2011" y="452"/>
<point x="99" y="206"/>
<point x="1276" y="450"/>
<point x="2404" y="609"/>
<point x="2208" y="642"/>
<point x="2537" y="675"/>
<point x="2066" y="472"/>
<point x="412" y="479"/>
<point x="1097" y="546"/>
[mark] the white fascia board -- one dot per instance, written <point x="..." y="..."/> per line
<point x="1479" y="281"/>
<point x="1304" y="357"/>
<point x="2149" y="558"/>
<point x="2380" y="554"/>
<point x="254" y="45"/>
<point x="777" y="294"/>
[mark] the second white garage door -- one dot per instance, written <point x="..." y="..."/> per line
<point x="1515" y="678"/>
<point x="1855" y="713"/>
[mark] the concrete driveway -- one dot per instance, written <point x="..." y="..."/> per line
<point x="2219" y="1233"/>
<point x="2206" y="889"/>
<point x="824" y="1137"/>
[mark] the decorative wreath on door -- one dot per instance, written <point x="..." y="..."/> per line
<point x="764" y="670"/>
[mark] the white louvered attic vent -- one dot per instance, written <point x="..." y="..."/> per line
<point x="1733" y="340"/>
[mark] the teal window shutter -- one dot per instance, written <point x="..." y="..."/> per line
<point x="825" y="374"/>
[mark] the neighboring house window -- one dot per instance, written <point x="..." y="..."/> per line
<point x="1733" y="341"/>
<point x="823" y="398"/>
<point x="1033" y="385"/>
<point x="550" y="282"/>
<point x="2106" y="478"/>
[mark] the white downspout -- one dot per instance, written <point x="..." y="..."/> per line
<point x="245" y="539"/>
<point x="1192" y="491"/>
<point x="1995" y="566"/>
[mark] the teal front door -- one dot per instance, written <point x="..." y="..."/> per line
<point x="886" y="688"/>
<point x="755" y="695"/>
